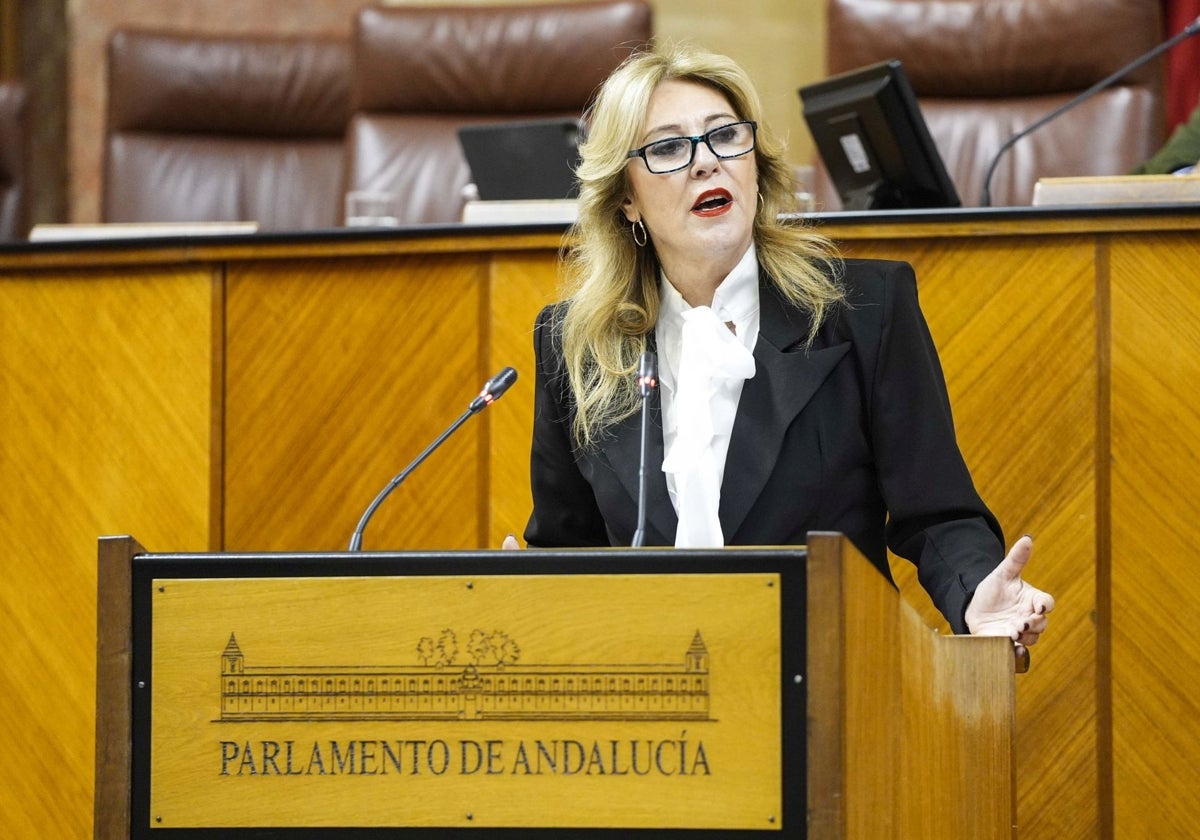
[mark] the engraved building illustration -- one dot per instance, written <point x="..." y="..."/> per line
<point x="441" y="690"/>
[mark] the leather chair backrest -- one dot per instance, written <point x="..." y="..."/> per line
<point x="14" y="163"/>
<point x="421" y="72"/>
<point x="985" y="69"/>
<point x="235" y="128"/>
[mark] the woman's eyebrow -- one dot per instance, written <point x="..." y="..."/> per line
<point x="677" y="130"/>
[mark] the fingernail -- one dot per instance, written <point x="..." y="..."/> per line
<point x="1030" y="537"/>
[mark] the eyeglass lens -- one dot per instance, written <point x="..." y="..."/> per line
<point x="725" y="141"/>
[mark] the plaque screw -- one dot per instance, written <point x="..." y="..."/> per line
<point x="470" y="585"/>
<point x="770" y="583"/>
<point x="470" y="816"/>
<point x="799" y="678"/>
<point x="158" y="819"/>
<point x="141" y="683"/>
<point x="771" y="818"/>
<point x="162" y="589"/>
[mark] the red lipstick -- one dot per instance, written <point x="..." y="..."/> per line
<point x="713" y="202"/>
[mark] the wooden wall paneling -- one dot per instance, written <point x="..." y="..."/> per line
<point x="40" y="41"/>
<point x="107" y="422"/>
<point x="9" y="42"/>
<point x="1014" y="323"/>
<point x="111" y="369"/>
<point x="338" y="374"/>
<point x="521" y="284"/>
<point x="1155" y="533"/>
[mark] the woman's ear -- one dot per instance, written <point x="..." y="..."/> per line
<point x="630" y="210"/>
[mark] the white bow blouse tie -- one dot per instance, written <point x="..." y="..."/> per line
<point x="711" y="358"/>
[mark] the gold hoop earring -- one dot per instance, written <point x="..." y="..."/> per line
<point x="639" y="225"/>
<point x="762" y="203"/>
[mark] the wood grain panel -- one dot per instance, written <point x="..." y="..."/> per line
<point x="1155" y="531"/>
<point x="1020" y="361"/>
<point x="338" y="375"/>
<point x="911" y="732"/>
<point x="521" y="284"/>
<point x="961" y="691"/>
<point x="106" y="425"/>
<point x="111" y="422"/>
<point x="363" y="634"/>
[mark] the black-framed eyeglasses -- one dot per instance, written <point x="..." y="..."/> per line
<point x="674" y="153"/>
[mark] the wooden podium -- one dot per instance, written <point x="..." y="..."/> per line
<point x="728" y="693"/>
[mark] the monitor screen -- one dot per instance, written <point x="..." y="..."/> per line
<point x="524" y="159"/>
<point x="871" y="136"/>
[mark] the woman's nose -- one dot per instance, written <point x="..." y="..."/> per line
<point x="704" y="159"/>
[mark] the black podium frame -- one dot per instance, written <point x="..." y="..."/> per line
<point x="787" y="563"/>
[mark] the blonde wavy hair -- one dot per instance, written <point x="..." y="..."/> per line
<point x="611" y="284"/>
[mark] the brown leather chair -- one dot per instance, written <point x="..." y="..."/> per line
<point x="237" y="128"/>
<point x="985" y="69"/>
<point x="14" y="164"/>
<point x="421" y="72"/>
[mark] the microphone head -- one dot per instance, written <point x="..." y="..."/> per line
<point x="501" y="382"/>
<point x="647" y="378"/>
<point x="493" y="389"/>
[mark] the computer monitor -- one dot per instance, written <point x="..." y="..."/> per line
<point x="523" y="159"/>
<point x="871" y="136"/>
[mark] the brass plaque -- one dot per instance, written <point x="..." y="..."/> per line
<point x="539" y="701"/>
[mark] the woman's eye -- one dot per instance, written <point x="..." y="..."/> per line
<point x="668" y="148"/>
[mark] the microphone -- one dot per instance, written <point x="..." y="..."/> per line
<point x="647" y="381"/>
<point x="1191" y="29"/>
<point x="493" y="389"/>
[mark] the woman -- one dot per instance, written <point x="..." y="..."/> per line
<point x="798" y="392"/>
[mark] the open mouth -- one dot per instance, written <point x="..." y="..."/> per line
<point x="712" y="201"/>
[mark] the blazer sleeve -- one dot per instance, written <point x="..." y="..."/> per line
<point x="936" y="518"/>
<point x="565" y="512"/>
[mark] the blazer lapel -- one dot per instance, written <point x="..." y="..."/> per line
<point x="785" y="379"/>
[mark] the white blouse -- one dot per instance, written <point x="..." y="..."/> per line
<point x="705" y="356"/>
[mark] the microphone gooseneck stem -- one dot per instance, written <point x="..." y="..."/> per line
<point x="639" y="536"/>
<point x="647" y="381"/>
<point x="1188" y="31"/>
<point x="356" y="539"/>
<point x="493" y="389"/>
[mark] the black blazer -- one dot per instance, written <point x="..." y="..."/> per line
<point x="853" y="434"/>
